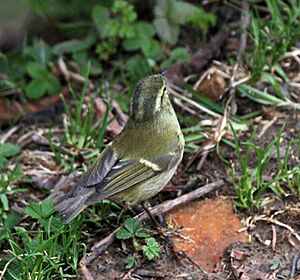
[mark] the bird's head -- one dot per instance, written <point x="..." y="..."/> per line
<point x="149" y="97"/>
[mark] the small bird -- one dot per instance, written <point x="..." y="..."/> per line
<point x="140" y="161"/>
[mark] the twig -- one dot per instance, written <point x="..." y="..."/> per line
<point x="63" y="68"/>
<point x="274" y="237"/>
<point x="162" y="208"/>
<point x="149" y="273"/>
<point x="294" y="54"/>
<point x="179" y="103"/>
<point x="204" y="148"/>
<point x="275" y="222"/>
<point x="294" y="266"/>
<point x="87" y="274"/>
<point x="193" y="103"/>
<point x="10" y="132"/>
<point x="202" y="160"/>
<point x="69" y="75"/>
<point x="267" y="126"/>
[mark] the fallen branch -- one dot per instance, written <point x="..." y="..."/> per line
<point x="162" y="208"/>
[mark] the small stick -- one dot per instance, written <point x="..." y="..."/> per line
<point x="192" y="102"/>
<point x="294" y="265"/>
<point x="275" y="222"/>
<point x="9" y="133"/>
<point x="274" y="237"/>
<point x="202" y="160"/>
<point x="267" y="126"/>
<point x="149" y="273"/>
<point x="162" y="208"/>
<point x="86" y="273"/>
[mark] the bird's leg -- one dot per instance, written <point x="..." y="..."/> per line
<point x="151" y="216"/>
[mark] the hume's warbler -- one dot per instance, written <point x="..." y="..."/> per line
<point x="139" y="162"/>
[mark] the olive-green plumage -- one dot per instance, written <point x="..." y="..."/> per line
<point x="139" y="162"/>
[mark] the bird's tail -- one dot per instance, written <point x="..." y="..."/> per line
<point x="70" y="207"/>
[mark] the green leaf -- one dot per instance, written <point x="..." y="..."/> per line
<point x="131" y="262"/>
<point x="121" y="24"/>
<point x="23" y="233"/>
<point x="170" y="14"/>
<point x="35" y="245"/>
<point x="202" y="20"/>
<point x="106" y="48"/>
<point x="74" y="45"/>
<point x="9" y="150"/>
<point x="167" y="20"/>
<point x="181" y="11"/>
<point x="36" y="89"/>
<point x="37" y="70"/>
<point x="41" y="52"/>
<point x="167" y="31"/>
<point x="12" y="220"/>
<point x="52" y="85"/>
<point x="132" y="228"/>
<point x="81" y="58"/>
<point x="178" y="54"/>
<point x="131" y="225"/>
<point x="151" y="249"/>
<point x="123" y="234"/>
<point x="4" y="201"/>
<point x="40" y="211"/>
<point x="144" y="29"/>
<point x="152" y="49"/>
<point x="100" y="17"/>
<point x="135" y="227"/>
<point x="143" y="32"/>
<point x="138" y="67"/>
<point x="3" y="162"/>
<point x="133" y="43"/>
<point x="55" y="223"/>
<point x="140" y="232"/>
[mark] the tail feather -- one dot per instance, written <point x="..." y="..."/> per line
<point x="71" y="207"/>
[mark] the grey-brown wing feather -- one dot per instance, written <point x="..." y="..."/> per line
<point x="128" y="173"/>
<point x="74" y="202"/>
<point x="127" y="178"/>
<point x="100" y="168"/>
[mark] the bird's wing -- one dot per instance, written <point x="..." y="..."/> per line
<point x="75" y="201"/>
<point x="100" y="168"/>
<point x="127" y="173"/>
